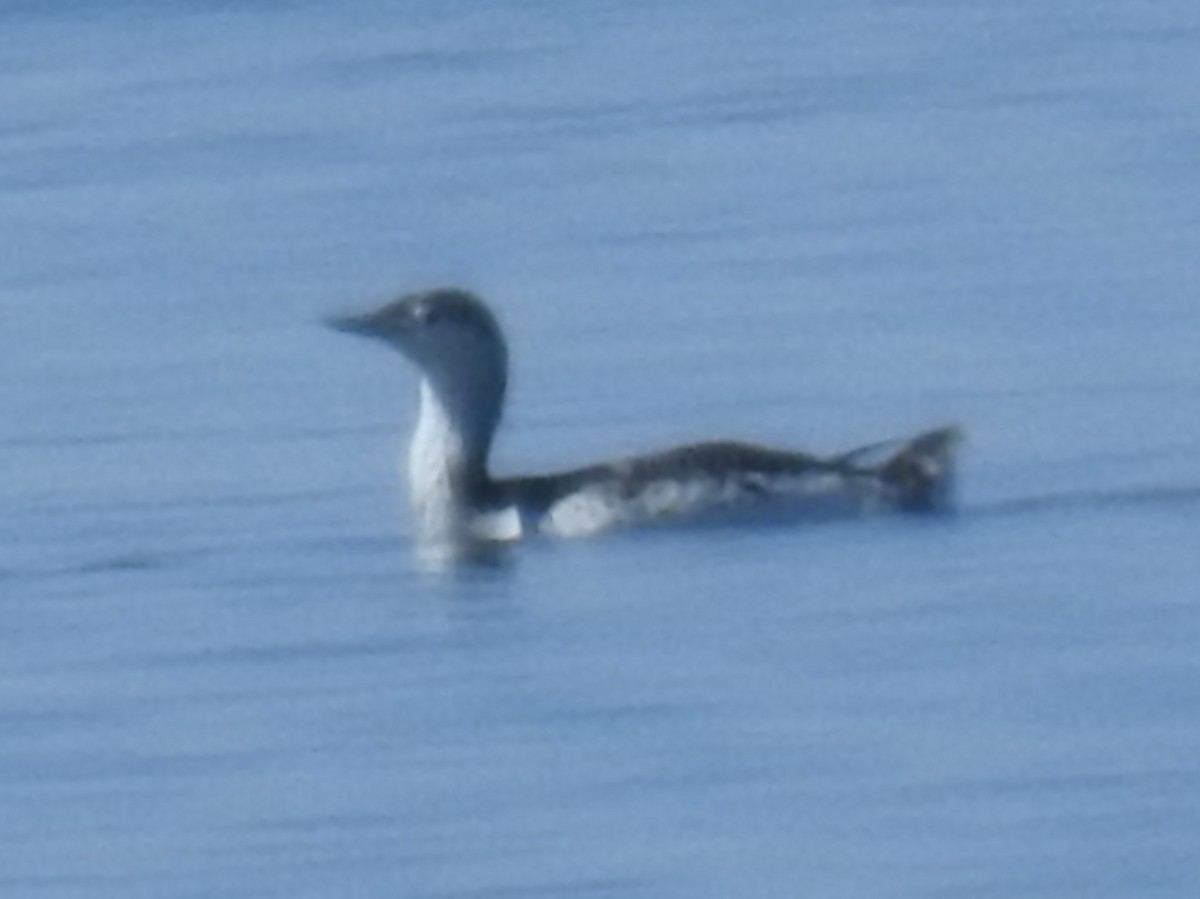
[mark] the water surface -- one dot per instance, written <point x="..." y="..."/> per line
<point x="222" y="672"/>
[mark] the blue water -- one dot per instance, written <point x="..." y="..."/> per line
<point x="223" y="672"/>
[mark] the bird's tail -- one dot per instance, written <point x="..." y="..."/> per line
<point x="917" y="474"/>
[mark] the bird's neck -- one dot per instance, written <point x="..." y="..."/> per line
<point x="447" y="462"/>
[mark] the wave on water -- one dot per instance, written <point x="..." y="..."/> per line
<point x="1119" y="498"/>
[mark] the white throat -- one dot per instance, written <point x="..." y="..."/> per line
<point x="440" y="463"/>
<point x="447" y="459"/>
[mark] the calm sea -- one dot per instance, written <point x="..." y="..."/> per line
<point x="222" y="671"/>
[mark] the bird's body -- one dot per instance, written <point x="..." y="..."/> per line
<point x="457" y="344"/>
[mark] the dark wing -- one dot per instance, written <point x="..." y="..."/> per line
<point x="750" y="465"/>
<point x="917" y="473"/>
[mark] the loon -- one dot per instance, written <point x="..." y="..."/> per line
<point x="456" y="343"/>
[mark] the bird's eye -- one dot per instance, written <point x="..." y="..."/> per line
<point x="431" y="314"/>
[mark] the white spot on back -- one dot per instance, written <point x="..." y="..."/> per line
<point x="582" y="514"/>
